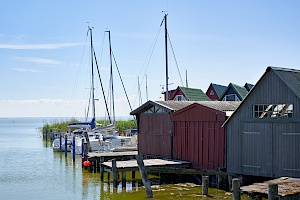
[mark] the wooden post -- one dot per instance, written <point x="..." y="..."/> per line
<point x="272" y="191"/>
<point x="88" y="142"/>
<point x="73" y="145"/>
<point x="60" y="141"/>
<point x="146" y="181"/>
<point x="236" y="189"/>
<point x="114" y="172"/>
<point x="230" y="182"/>
<point x="205" y="183"/>
<point x="101" y="168"/>
<point x="66" y="145"/>
<point x="82" y="148"/>
<point x="124" y="179"/>
<point x="85" y="149"/>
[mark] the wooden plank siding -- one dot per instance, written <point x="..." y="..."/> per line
<point x="199" y="137"/>
<point x="154" y="134"/>
<point x="264" y="147"/>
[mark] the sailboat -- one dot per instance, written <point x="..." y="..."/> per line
<point x="100" y="138"/>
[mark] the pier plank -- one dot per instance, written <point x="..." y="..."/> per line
<point x="286" y="186"/>
<point x="132" y="164"/>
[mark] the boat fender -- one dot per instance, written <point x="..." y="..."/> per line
<point x="87" y="163"/>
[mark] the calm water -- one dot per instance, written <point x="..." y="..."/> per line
<point x="29" y="169"/>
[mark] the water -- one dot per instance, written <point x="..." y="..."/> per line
<point x="29" y="169"/>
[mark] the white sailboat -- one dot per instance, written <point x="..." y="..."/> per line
<point x="101" y="138"/>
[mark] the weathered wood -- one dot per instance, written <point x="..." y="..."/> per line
<point x="144" y="175"/>
<point x="132" y="165"/>
<point x="272" y="191"/>
<point x="181" y="170"/>
<point x="205" y="183"/>
<point x="89" y="148"/>
<point x="287" y="187"/>
<point x="114" y="172"/>
<point x="101" y="168"/>
<point x="124" y="179"/>
<point x="236" y="195"/>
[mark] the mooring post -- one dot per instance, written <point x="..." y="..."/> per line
<point x="205" y="183"/>
<point x="60" y="141"/>
<point x="114" y="172"/>
<point x="236" y="195"/>
<point x="146" y="181"/>
<point x="73" y="145"/>
<point x="82" y="148"/>
<point x="101" y="168"/>
<point x="272" y="191"/>
<point x="66" y="145"/>
<point x="124" y="179"/>
<point x="133" y="174"/>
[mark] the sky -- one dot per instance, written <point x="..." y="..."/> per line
<point x="45" y="50"/>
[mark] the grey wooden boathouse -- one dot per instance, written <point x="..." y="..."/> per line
<point x="263" y="134"/>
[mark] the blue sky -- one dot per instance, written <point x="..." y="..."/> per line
<point x="44" y="50"/>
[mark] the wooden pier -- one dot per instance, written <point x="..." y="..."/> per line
<point x="284" y="188"/>
<point x="113" y="166"/>
<point x="99" y="157"/>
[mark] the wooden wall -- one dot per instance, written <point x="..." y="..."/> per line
<point x="264" y="147"/>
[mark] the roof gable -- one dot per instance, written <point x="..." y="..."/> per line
<point x="219" y="89"/>
<point x="241" y="92"/>
<point x="248" y="86"/>
<point x="193" y="94"/>
<point x="168" y="106"/>
<point x="290" y="77"/>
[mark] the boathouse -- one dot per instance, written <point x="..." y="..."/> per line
<point x="263" y="134"/>
<point x="214" y="91"/>
<point x="234" y="92"/>
<point x="198" y="133"/>
<point x="155" y="127"/>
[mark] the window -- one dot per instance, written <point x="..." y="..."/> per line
<point x="211" y="93"/>
<point x="179" y="98"/>
<point x="231" y="97"/>
<point x="273" y="111"/>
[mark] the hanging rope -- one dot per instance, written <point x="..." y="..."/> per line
<point x="150" y="53"/>
<point x="106" y="105"/>
<point x="121" y="81"/>
<point x="175" y="59"/>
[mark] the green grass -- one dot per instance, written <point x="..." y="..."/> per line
<point x="121" y="126"/>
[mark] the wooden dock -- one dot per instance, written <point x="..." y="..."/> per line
<point x="288" y="188"/>
<point x="99" y="157"/>
<point x="112" y="154"/>
<point x="131" y="165"/>
<point x="114" y="167"/>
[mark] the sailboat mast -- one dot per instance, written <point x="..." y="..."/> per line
<point x="93" y="87"/>
<point x="111" y="80"/>
<point x="166" y="47"/>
